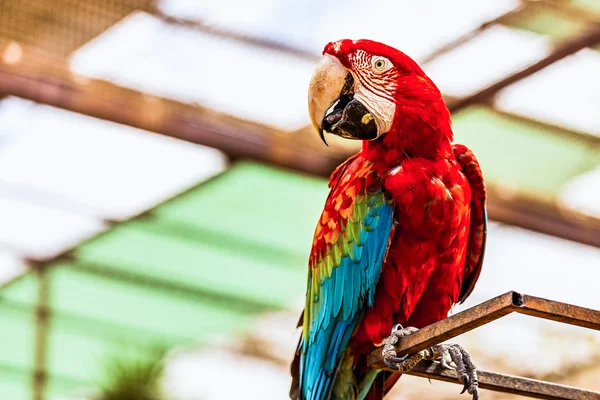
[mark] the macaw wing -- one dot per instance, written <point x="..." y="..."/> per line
<point x="349" y="248"/>
<point x="478" y="226"/>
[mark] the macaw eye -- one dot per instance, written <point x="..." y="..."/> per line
<point x="380" y="64"/>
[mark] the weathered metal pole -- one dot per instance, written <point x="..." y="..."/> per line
<point x="42" y="321"/>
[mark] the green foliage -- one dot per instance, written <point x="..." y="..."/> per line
<point x="134" y="378"/>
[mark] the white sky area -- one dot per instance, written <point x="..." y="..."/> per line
<point x="184" y="64"/>
<point x="416" y="27"/>
<point x="495" y="53"/>
<point x="566" y="93"/>
<point x="538" y="265"/>
<point x="147" y="54"/>
<point x="11" y="265"/>
<point x="218" y="375"/>
<point x="61" y="173"/>
<point x="582" y="193"/>
<point x="39" y="231"/>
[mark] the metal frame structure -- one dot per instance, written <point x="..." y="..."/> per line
<point x="42" y="324"/>
<point x="482" y="314"/>
<point x="54" y="84"/>
<point x="57" y="86"/>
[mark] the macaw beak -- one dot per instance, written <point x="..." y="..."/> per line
<point x="332" y="106"/>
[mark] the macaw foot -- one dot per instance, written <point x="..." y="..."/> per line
<point x="443" y="353"/>
<point x="466" y="370"/>
<point x="391" y="359"/>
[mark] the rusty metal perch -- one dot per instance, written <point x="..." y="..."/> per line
<point x="487" y="312"/>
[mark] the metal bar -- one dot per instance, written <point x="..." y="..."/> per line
<point x="507" y="383"/>
<point x="489" y="311"/>
<point x="205" y="295"/>
<point x="42" y="321"/>
<point x="570" y="47"/>
<point x="530" y="213"/>
<point x="18" y="372"/>
<point x="590" y="139"/>
<point x="450" y="327"/>
<point x="470" y="35"/>
<point x="313" y="56"/>
<point x="245" y="39"/>
<point x="57" y="86"/>
<point x="482" y="314"/>
<point x="238" y="138"/>
<point x="98" y="329"/>
<point x="67" y="253"/>
<point x="560" y="312"/>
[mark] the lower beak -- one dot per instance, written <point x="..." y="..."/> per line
<point x="332" y="107"/>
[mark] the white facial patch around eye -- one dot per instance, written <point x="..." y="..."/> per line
<point x="380" y="65"/>
<point x="382" y="108"/>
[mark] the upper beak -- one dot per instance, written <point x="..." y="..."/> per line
<point x="325" y="88"/>
<point x="333" y="85"/>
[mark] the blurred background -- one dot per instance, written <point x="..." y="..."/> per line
<point x="160" y="184"/>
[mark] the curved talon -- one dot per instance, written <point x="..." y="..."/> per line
<point x="390" y="358"/>
<point x="465" y="368"/>
<point x="397" y="360"/>
<point x="445" y="364"/>
<point x="390" y="364"/>
<point x="444" y="353"/>
<point x="397" y="328"/>
<point x="465" y="379"/>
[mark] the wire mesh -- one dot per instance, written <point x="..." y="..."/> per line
<point x="59" y="27"/>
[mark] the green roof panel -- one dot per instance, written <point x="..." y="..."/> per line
<point x="193" y="271"/>
<point x="139" y="308"/>
<point x="522" y="155"/>
<point x="146" y="249"/>
<point x="547" y="21"/>
<point x="17" y="333"/>
<point x="256" y="202"/>
<point x="15" y="385"/>
<point x="591" y="5"/>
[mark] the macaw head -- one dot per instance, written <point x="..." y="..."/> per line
<point x="361" y="88"/>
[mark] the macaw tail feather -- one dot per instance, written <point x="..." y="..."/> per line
<point x="381" y="383"/>
<point x="367" y="383"/>
<point x="376" y="388"/>
<point x="295" y="369"/>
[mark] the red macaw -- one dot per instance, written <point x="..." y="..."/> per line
<point x="402" y="235"/>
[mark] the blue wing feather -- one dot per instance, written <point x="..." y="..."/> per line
<point x="343" y="297"/>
